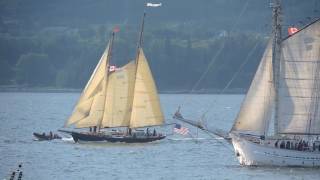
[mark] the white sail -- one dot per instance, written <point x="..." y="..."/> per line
<point x="299" y="96"/>
<point x="87" y="111"/>
<point x="256" y="109"/>
<point x="119" y="97"/>
<point x="146" y="110"/>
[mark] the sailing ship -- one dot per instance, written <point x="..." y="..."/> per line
<point x="116" y="102"/>
<point x="285" y="91"/>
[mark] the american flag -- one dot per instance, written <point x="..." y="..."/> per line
<point x="180" y="130"/>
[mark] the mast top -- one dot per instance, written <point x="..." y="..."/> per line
<point x="141" y="31"/>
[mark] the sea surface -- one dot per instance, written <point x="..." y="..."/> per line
<point x="195" y="156"/>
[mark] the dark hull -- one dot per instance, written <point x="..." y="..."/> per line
<point x="90" y="137"/>
<point x="42" y="137"/>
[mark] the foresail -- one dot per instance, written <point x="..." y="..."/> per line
<point x="146" y="109"/>
<point x="299" y="96"/>
<point x="96" y="112"/>
<point x="256" y="110"/>
<point x="88" y="99"/>
<point x="119" y="97"/>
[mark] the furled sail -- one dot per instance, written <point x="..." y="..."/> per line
<point x="299" y="93"/>
<point x="256" y="109"/>
<point x="89" y="109"/>
<point x="119" y="97"/>
<point x="146" y="110"/>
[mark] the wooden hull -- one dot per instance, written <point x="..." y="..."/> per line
<point x="91" y="137"/>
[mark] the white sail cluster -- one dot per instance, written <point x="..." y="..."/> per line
<point x="299" y="88"/>
<point x="126" y="97"/>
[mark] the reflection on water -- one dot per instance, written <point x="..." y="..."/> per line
<point x="176" y="157"/>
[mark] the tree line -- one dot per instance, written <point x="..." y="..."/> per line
<point x="57" y="44"/>
<point x="66" y="57"/>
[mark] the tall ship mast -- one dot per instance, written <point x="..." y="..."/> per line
<point x="117" y="102"/>
<point x="285" y="90"/>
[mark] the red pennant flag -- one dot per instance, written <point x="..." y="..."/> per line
<point x="292" y="30"/>
<point x="116" y="29"/>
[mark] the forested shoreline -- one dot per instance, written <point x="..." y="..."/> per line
<point x="56" y="44"/>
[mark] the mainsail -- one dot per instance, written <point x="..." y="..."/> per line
<point x="119" y="97"/>
<point x="256" y="109"/>
<point x="299" y="93"/>
<point x="146" y="110"/>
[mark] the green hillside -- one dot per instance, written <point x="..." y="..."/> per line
<point x="45" y="43"/>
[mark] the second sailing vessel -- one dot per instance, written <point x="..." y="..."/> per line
<point x="116" y="102"/>
<point x="286" y="91"/>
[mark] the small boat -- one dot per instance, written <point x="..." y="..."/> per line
<point x="285" y="91"/>
<point x="46" y="137"/>
<point x="118" y="104"/>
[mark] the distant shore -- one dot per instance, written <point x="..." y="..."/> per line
<point x="205" y="91"/>
<point x="72" y="90"/>
<point x="38" y="89"/>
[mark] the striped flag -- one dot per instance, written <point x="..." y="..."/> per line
<point x="180" y="130"/>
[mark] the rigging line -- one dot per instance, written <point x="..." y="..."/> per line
<point x="235" y="75"/>
<point x="218" y="140"/>
<point x="214" y="59"/>
<point x="240" y="68"/>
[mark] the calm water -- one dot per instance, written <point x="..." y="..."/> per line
<point x="176" y="157"/>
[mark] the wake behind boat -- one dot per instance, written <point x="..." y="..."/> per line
<point x="285" y="91"/>
<point x="122" y="98"/>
